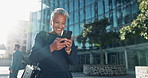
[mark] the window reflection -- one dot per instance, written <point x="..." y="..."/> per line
<point x="76" y="4"/>
<point x="71" y="6"/>
<point x="81" y="15"/>
<point x="100" y="7"/>
<point x="87" y="11"/>
<point x="76" y="17"/>
<point x="81" y="3"/>
<point x="118" y="12"/>
<point x="71" y="18"/>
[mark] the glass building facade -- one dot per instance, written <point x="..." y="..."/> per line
<point x="120" y="13"/>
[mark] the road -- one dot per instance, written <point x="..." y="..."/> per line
<point x="4" y="73"/>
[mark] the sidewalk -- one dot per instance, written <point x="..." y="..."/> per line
<point x="130" y="74"/>
<point x="4" y="73"/>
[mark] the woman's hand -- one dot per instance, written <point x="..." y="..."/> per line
<point x="57" y="45"/>
<point x="11" y="71"/>
<point x="68" y="44"/>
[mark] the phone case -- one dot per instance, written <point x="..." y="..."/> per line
<point x="67" y="34"/>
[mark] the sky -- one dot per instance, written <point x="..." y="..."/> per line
<point x="13" y="10"/>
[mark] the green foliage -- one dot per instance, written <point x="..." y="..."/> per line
<point x="139" y="26"/>
<point x="96" y="44"/>
<point x="95" y="31"/>
<point x="95" y="34"/>
<point x="81" y="39"/>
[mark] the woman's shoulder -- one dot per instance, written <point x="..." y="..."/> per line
<point x="45" y="35"/>
<point x="42" y="33"/>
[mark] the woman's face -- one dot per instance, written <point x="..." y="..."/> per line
<point x="58" y="23"/>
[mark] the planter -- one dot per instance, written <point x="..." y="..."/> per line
<point x="104" y="70"/>
<point x="141" y="71"/>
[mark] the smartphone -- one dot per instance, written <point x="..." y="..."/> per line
<point x="67" y="34"/>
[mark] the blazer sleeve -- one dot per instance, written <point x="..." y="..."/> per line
<point x="73" y="57"/>
<point x="39" y="50"/>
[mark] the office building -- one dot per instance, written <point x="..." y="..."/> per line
<point x="119" y="13"/>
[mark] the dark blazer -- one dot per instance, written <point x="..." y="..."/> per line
<point x="16" y="63"/>
<point x="53" y="64"/>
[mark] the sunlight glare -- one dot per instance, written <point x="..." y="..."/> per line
<point x="12" y="11"/>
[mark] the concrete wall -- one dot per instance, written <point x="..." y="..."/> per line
<point x="104" y="70"/>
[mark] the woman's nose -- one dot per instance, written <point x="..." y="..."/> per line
<point x="60" y="25"/>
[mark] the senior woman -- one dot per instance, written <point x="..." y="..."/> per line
<point x="53" y="55"/>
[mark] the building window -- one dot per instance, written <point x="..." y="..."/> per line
<point x="76" y="4"/>
<point x="65" y="1"/>
<point x="81" y="28"/>
<point x="51" y="3"/>
<point x="106" y="5"/>
<point x="56" y="3"/>
<point x="71" y="18"/>
<point x="81" y="15"/>
<point x="135" y="9"/>
<point x="87" y="11"/>
<point x="66" y="7"/>
<point x="81" y="3"/>
<point x="76" y="17"/>
<point x="127" y="14"/>
<point x="119" y="17"/>
<point x="100" y="7"/>
<point x="84" y="59"/>
<point x="71" y="27"/>
<point x="88" y="2"/>
<point x="71" y="6"/>
<point x="61" y="2"/>
<point x="76" y="30"/>
<point x="92" y="11"/>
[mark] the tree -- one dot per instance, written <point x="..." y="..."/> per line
<point x="139" y="26"/>
<point x="96" y="34"/>
<point x="81" y="39"/>
<point x="87" y="33"/>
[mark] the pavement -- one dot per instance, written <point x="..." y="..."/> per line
<point x="4" y="73"/>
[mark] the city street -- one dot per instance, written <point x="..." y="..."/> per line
<point x="103" y="38"/>
<point x="4" y="73"/>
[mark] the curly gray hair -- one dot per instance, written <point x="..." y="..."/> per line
<point x="60" y="11"/>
